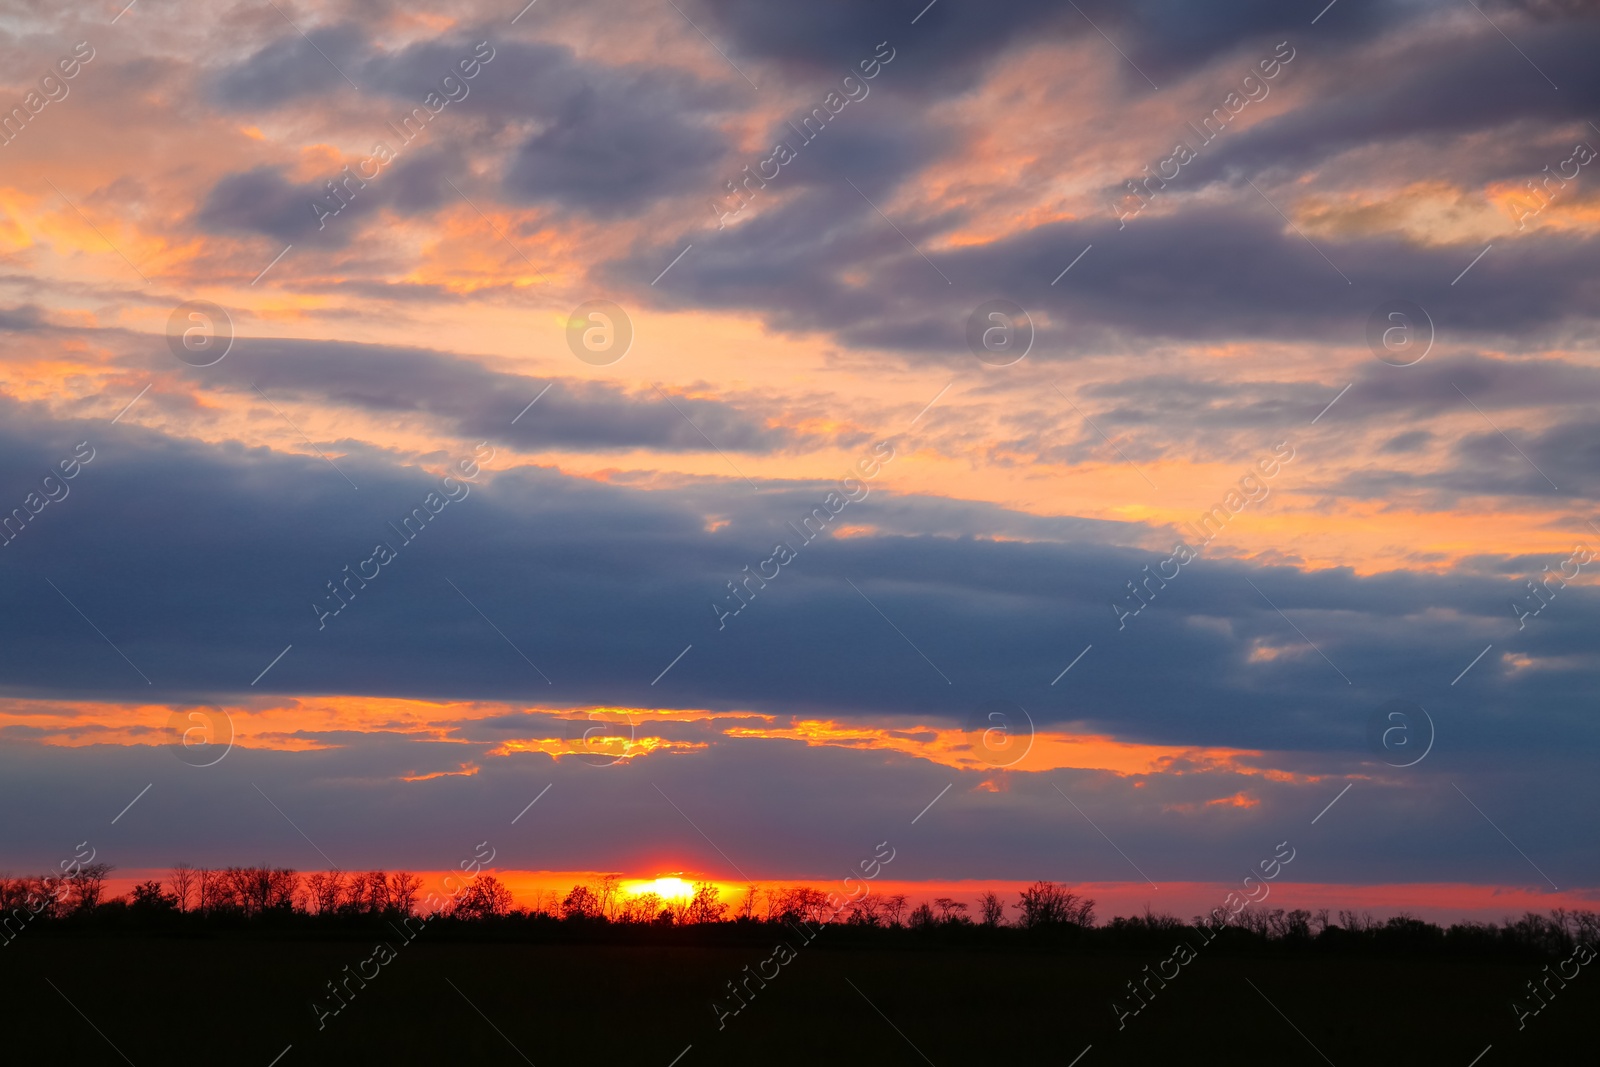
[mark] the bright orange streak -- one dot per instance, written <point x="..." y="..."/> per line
<point x="622" y="734"/>
<point x="1050" y="750"/>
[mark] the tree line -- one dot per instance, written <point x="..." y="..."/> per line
<point x="252" y="892"/>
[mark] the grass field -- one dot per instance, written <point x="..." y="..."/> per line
<point x="244" y="1000"/>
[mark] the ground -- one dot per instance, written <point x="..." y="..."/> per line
<point x="244" y="999"/>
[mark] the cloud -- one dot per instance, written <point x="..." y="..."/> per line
<point x="950" y="44"/>
<point x="468" y="400"/>
<point x="261" y="200"/>
<point x="609" y="150"/>
<point x="611" y="583"/>
<point x="1434" y="88"/>
<point x="1205" y="322"/>
<point x="292" y="68"/>
<point x="1410" y="441"/>
<point x="24" y="318"/>
<point x="1234" y="271"/>
<point x="605" y="140"/>
<point x="783" y="826"/>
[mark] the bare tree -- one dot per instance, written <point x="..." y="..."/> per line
<point x="377" y="891"/>
<point x="182" y="880"/>
<point x="283" y="887"/>
<point x="205" y="889"/>
<point x="642" y="908"/>
<point x="325" y="891"/>
<point x="356" y="893"/>
<point x="868" y="911"/>
<point x="1159" y="920"/>
<point x="1256" y="921"/>
<point x="806" y="902"/>
<point x="403" y="889"/>
<point x="706" y="905"/>
<point x="486" y="897"/>
<point x="1355" y="922"/>
<point x="1297" y="923"/>
<point x="87" y="885"/>
<point x="896" y="907"/>
<point x="46" y="895"/>
<point x="607" y="893"/>
<point x="256" y="889"/>
<point x="1046" y="903"/>
<point x="316" y="883"/>
<point x="580" y="903"/>
<point x="992" y="908"/>
<point x="251" y="886"/>
<point x="747" y="904"/>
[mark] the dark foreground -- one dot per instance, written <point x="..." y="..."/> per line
<point x="245" y="1000"/>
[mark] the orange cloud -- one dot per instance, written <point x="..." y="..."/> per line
<point x="311" y="723"/>
<point x="467" y="770"/>
<point x="1050" y="749"/>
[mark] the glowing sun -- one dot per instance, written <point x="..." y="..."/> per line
<point x="669" y="888"/>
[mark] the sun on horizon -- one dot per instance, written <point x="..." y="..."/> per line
<point x="667" y="887"/>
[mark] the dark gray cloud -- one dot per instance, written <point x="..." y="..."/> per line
<point x="602" y="585"/>
<point x="261" y="200"/>
<point x="1170" y="38"/>
<point x="606" y="140"/>
<point x="469" y="400"/>
<point x="22" y="319"/>
<point x="950" y="43"/>
<point x="947" y="45"/>
<point x="331" y="212"/>
<point x="1559" y="460"/>
<point x="1230" y="272"/>
<point x="1216" y="417"/>
<point x="608" y="151"/>
<point x="1410" y="441"/>
<point x="293" y="68"/>
<point x="1438" y="87"/>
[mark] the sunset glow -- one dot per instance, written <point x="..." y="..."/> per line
<point x="914" y="466"/>
<point x="667" y="888"/>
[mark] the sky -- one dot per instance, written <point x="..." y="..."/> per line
<point x="1098" y="443"/>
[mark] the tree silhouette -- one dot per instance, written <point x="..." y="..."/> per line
<point x="1047" y="904"/>
<point x="147" y="898"/>
<point x="580" y="903"/>
<point x="324" y="890"/>
<point x="87" y="885"/>
<point x="706" y="905"/>
<point x="485" y="898"/>
<point x="182" y="880"/>
<point x="403" y="889"/>
<point x="642" y="908"/>
<point x="608" y="893"/>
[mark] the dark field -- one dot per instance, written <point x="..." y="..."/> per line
<point x="243" y="999"/>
